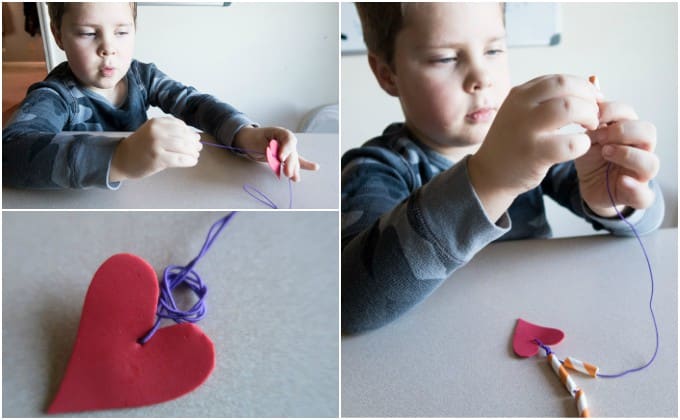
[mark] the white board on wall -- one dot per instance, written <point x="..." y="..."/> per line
<point x="527" y="24"/>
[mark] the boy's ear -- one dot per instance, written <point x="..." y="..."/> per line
<point x="56" y="33"/>
<point x="383" y="74"/>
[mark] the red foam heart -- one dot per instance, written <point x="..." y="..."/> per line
<point x="273" y="161"/>
<point x="108" y="368"/>
<point x="525" y="333"/>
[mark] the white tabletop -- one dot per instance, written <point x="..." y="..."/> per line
<point x="215" y="183"/>
<point x="272" y="301"/>
<point x="452" y="355"/>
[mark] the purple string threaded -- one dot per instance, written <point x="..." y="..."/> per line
<point x="651" y="297"/>
<point x="262" y="197"/>
<point x="235" y="149"/>
<point x="249" y="189"/>
<point x="651" y="278"/>
<point x="545" y="348"/>
<point x="174" y="275"/>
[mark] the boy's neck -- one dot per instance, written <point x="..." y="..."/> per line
<point x="116" y="95"/>
<point x="453" y="153"/>
<point x="456" y="154"/>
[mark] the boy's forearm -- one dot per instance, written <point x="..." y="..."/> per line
<point x="56" y="161"/>
<point x="409" y="251"/>
<point x="200" y="110"/>
<point x="494" y="199"/>
<point x="382" y="278"/>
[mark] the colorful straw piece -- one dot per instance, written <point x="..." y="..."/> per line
<point x="593" y="79"/>
<point x="562" y="373"/>
<point x="579" y="366"/>
<point x="582" y="404"/>
<point x="570" y="385"/>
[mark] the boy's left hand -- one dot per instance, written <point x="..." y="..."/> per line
<point x="257" y="138"/>
<point x="628" y="144"/>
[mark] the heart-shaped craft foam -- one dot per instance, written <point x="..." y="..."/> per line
<point x="272" y="154"/>
<point x="525" y="333"/>
<point x="108" y="368"/>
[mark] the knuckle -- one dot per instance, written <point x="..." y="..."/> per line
<point x="571" y="146"/>
<point x="655" y="165"/>
<point x="515" y="91"/>
<point x="651" y="129"/>
<point x="618" y="130"/>
<point x="155" y="155"/>
<point x="567" y="105"/>
<point x="155" y="149"/>
<point x="625" y="154"/>
<point x="560" y="80"/>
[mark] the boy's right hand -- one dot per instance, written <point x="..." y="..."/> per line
<point x="158" y="144"/>
<point x="523" y="142"/>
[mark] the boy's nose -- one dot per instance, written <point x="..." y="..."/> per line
<point x="478" y="82"/>
<point x="107" y="48"/>
<point x="106" y="51"/>
<point x="477" y="79"/>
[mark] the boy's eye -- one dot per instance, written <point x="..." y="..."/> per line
<point x="445" y="60"/>
<point x="87" y="34"/>
<point x="495" y="51"/>
<point x="121" y="33"/>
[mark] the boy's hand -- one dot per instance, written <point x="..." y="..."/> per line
<point x="629" y="145"/>
<point x="257" y="138"/>
<point x="158" y="144"/>
<point x="523" y="141"/>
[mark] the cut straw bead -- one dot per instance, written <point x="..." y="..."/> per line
<point x="594" y="81"/>
<point x="579" y="366"/>
<point x="562" y="373"/>
<point x="582" y="403"/>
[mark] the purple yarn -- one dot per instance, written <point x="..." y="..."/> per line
<point x="249" y="189"/>
<point x="262" y="197"/>
<point x="235" y="149"/>
<point x="651" y="278"/>
<point x="546" y="348"/>
<point x="174" y="275"/>
<point x="651" y="297"/>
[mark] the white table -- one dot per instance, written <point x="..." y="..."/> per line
<point x="452" y="355"/>
<point x="272" y="301"/>
<point x="215" y="183"/>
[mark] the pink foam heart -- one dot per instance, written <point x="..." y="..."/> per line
<point x="108" y="368"/>
<point x="272" y="154"/>
<point x="525" y="333"/>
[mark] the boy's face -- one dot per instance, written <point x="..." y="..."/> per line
<point x="451" y="73"/>
<point x="98" y="39"/>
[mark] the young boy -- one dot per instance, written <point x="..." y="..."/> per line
<point x="102" y="88"/>
<point x="474" y="158"/>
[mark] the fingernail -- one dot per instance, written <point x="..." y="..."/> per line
<point x="608" y="151"/>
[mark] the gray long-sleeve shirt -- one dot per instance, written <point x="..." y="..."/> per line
<point x="38" y="151"/>
<point x="410" y="218"/>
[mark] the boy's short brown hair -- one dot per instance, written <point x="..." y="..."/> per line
<point x="57" y="11"/>
<point x="380" y="24"/>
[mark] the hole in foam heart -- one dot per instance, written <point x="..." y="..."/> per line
<point x="525" y="333"/>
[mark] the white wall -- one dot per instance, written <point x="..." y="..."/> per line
<point x="633" y="49"/>
<point x="273" y="61"/>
